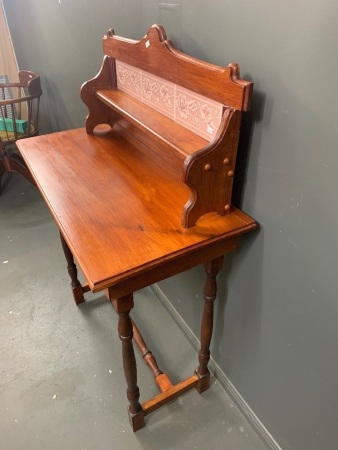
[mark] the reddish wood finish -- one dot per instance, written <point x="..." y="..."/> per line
<point x="212" y="268"/>
<point x="147" y="355"/>
<point x="117" y="197"/>
<point x="125" y="203"/>
<point x="72" y="271"/>
<point x="157" y="55"/>
<point x="173" y="142"/>
<point x="125" y="329"/>
<point x="170" y="394"/>
<point x="123" y="228"/>
<point x="163" y="382"/>
<point x="200" y="164"/>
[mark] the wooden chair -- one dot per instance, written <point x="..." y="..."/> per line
<point x="19" y="115"/>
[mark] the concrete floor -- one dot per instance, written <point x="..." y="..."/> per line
<point x="61" y="377"/>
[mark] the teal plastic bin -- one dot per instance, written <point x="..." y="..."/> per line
<point x="7" y="124"/>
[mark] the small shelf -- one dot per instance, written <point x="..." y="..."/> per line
<point x="143" y="117"/>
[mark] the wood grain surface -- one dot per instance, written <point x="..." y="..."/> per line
<point x="119" y="212"/>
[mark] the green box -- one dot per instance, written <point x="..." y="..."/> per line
<point x="6" y="124"/>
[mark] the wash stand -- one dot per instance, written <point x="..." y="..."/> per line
<point x="143" y="192"/>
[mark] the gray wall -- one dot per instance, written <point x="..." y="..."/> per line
<point x="277" y="313"/>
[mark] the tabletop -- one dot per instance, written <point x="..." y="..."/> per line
<point x="120" y="212"/>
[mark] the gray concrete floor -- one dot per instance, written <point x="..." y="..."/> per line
<point x="61" y="376"/>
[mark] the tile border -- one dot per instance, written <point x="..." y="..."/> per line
<point x="195" y="112"/>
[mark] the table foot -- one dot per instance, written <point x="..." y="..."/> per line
<point x="203" y="382"/>
<point x="78" y="294"/>
<point x="136" y="420"/>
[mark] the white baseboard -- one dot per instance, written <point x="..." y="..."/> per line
<point x="219" y="374"/>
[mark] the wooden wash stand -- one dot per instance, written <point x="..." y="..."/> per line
<point x="148" y="195"/>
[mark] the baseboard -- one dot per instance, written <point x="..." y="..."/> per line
<point x="224" y="381"/>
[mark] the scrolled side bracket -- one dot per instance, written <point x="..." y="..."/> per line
<point x="209" y="172"/>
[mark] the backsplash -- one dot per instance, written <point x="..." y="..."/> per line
<point x="193" y="111"/>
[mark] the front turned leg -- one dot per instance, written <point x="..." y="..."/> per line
<point x="210" y="290"/>
<point x="123" y="306"/>
<point x="72" y="270"/>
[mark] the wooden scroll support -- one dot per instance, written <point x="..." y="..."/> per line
<point x="211" y="170"/>
<point x="99" y="113"/>
<point x="77" y="288"/>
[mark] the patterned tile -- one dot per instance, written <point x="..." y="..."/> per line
<point x="129" y="79"/>
<point x="197" y="113"/>
<point x="193" y="111"/>
<point x="159" y="94"/>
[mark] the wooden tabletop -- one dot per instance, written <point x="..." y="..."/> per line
<point x="120" y="212"/>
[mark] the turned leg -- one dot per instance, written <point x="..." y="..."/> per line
<point x="72" y="270"/>
<point x="123" y="306"/>
<point x="210" y="289"/>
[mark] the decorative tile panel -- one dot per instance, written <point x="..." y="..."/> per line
<point x="129" y="79"/>
<point x="197" y="113"/>
<point x="193" y="111"/>
<point x="159" y="94"/>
